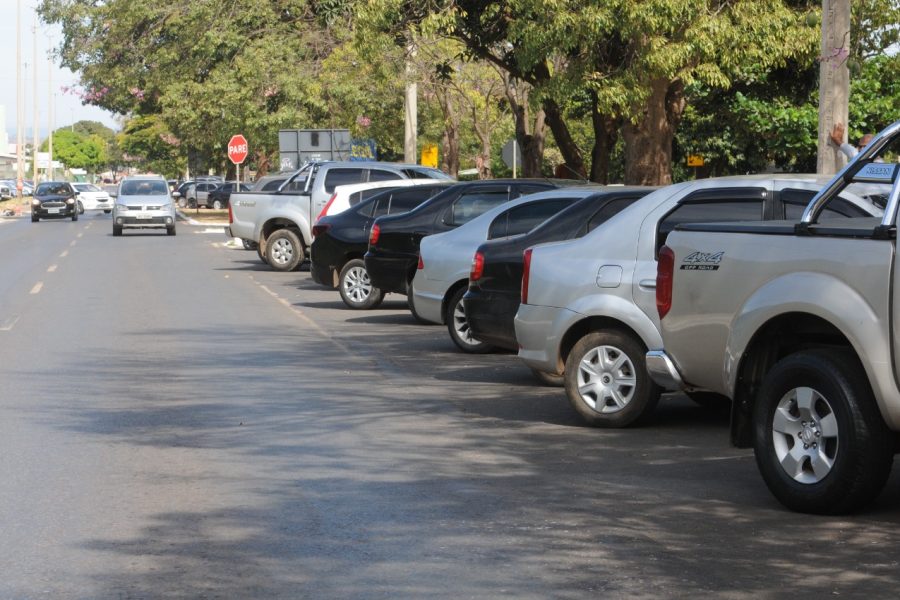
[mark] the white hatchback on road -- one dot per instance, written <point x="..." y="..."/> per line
<point x="91" y="197"/>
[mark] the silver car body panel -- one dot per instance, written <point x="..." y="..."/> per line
<point x="447" y="256"/>
<point x="580" y="276"/>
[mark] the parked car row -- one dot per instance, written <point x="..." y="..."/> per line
<point x="564" y="274"/>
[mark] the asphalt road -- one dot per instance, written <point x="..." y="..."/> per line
<point x="178" y="421"/>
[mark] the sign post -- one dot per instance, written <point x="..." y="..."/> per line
<point x="237" y="153"/>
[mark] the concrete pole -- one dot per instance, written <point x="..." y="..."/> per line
<point x="34" y="106"/>
<point x="834" y="83"/>
<point x="410" y="143"/>
<point x="50" y="118"/>
<point x="20" y="101"/>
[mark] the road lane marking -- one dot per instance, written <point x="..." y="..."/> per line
<point x="80" y="234"/>
<point x="64" y="254"/>
<point x="9" y="323"/>
<point x="51" y="268"/>
<point x="73" y="242"/>
<point x="37" y="287"/>
<point x="299" y="313"/>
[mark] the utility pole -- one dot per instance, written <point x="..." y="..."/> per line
<point x="20" y="100"/>
<point x="834" y="83"/>
<point x="34" y="100"/>
<point x="50" y="117"/>
<point x="410" y="143"/>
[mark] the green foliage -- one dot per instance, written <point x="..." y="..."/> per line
<point x="149" y="145"/>
<point x="78" y="150"/>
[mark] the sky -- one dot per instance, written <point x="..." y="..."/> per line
<point x="68" y="108"/>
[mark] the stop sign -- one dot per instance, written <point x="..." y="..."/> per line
<point x="237" y="149"/>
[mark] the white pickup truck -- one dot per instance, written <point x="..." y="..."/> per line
<point x="796" y="322"/>
<point x="281" y="222"/>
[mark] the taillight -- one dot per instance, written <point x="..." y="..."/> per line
<point x="327" y="206"/>
<point x="230" y="214"/>
<point x="421" y="264"/>
<point x="318" y="230"/>
<point x="665" y="272"/>
<point x="373" y="235"/>
<point x="526" y="271"/>
<point x="477" y="267"/>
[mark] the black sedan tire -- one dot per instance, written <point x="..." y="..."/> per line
<point x="458" y="325"/>
<point x="356" y="288"/>
<point x="819" y="439"/>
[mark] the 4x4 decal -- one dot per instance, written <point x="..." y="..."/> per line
<point x="702" y="261"/>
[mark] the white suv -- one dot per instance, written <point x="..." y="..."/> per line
<point x="143" y="202"/>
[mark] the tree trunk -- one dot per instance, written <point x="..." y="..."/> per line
<point x="574" y="163"/>
<point x="450" y="138"/>
<point x="530" y="139"/>
<point x="605" y="136"/>
<point x="648" y="143"/>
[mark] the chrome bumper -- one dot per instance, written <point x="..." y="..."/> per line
<point x="663" y="371"/>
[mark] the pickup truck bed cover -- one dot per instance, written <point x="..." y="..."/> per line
<point x="849" y="227"/>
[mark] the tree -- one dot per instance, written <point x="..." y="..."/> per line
<point x="77" y="150"/>
<point x="148" y="144"/>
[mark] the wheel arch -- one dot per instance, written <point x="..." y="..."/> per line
<point x="449" y="293"/>
<point x="585" y="326"/>
<point x="777" y="338"/>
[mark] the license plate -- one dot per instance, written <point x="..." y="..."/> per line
<point x="145" y="216"/>
<point x="53" y="211"/>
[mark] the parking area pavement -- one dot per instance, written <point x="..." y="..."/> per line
<point x="502" y="475"/>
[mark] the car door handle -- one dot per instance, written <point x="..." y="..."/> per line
<point x="650" y="284"/>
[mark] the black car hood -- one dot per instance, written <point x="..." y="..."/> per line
<point x="53" y="198"/>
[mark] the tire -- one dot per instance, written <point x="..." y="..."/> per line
<point x="821" y="400"/>
<point x="75" y="215"/>
<point x="218" y="205"/>
<point x="549" y="379"/>
<point x="248" y="245"/>
<point x="182" y="203"/>
<point x="170" y="230"/>
<point x="284" y="252"/>
<point x="356" y="289"/>
<point x="80" y="208"/>
<point x="458" y="325"/>
<point x="35" y="219"/>
<point x="192" y="203"/>
<point x="710" y="401"/>
<point x="261" y="254"/>
<point x="117" y="230"/>
<point x="107" y="211"/>
<point x="607" y="382"/>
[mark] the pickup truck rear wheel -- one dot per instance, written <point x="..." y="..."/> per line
<point x="819" y="439"/>
<point x="607" y="381"/>
<point x="356" y="288"/>
<point x="284" y="252"/>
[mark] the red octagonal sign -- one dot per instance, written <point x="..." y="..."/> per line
<point x="237" y="149"/>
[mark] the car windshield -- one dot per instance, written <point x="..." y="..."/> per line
<point x="46" y="189"/>
<point x="87" y="187"/>
<point x="144" y="187"/>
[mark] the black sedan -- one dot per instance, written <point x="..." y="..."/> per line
<point x="221" y="196"/>
<point x="495" y="283"/>
<point x="340" y="241"/>
<point x="54" y="200"/>
<point x="394" y="239"/>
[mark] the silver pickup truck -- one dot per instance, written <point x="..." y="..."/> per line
<point x="281" y="222"/>
<point x="796" y="322"/>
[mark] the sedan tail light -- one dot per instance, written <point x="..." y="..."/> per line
<point x="374" y="234"/>
<point x="318" y="230"/>
<point x="327" y="206"/>
<point x="477" y="267"/>
<point x="230" y="214"/>
<point x="526" y="272"/>
<point x="665" y="273"/>
<point x="421" y="264"/>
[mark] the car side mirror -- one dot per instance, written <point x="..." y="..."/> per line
<point x="114" y="194"/>
<point x="176" y="195"/>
